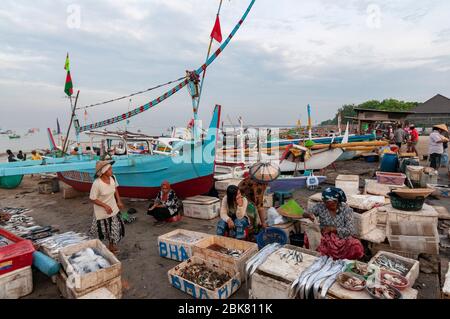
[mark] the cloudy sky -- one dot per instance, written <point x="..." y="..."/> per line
<point x="287" y="54"/>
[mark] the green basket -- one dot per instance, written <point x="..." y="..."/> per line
<point x="407" y="204"/>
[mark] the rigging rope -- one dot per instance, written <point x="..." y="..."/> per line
<point x="174" y="89"/>
<point x="130" y="95"/>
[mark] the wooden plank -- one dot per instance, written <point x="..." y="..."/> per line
<point x="338" y="292"/>
<point x="114" y="286"/>
<point x="201" y="250"/>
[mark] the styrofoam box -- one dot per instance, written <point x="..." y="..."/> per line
<point x="426" y="215"/>
<point x="413" y="237"/>
<point x="348" y="183"/>
<point x="201" y="207"/>
<point x="16" y="284"/>
<point x="413" y="265"/>
<point x="176" y="249"/>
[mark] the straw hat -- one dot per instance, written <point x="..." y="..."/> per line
<point x="442" y="127"/>
<point x="264" y="172"/>
<point x="102" y="166"/>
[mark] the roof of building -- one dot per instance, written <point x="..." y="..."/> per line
<point x="437" y="104"/>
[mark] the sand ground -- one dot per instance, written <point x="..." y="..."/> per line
<point x="144" y="272"/>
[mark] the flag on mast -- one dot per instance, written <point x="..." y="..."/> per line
<point x="216" y="32"/>
<point x="68" y="88"/>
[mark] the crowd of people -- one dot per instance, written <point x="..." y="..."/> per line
<point x="21" y="156"/>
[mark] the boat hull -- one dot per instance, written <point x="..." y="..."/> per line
<point x="183" y="189"/>
<point x="10" y="182"/>
<point x="291" y="183"/>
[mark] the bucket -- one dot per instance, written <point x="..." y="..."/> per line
<point x="271" y="235"/>
<point x="297" y="239"/>
<point x="389" y="163"/>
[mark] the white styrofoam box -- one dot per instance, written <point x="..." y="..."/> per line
<point x="426" y="215"/>
<point x="101" y="293"/>
<point x="268" y="200"/>
<point x="177" y="244"/>
<point x="16" y="284"/>
<point x="413" y="237"/>
<point x="201" y="207"/>
<point x="365" y="222"/>
<point x="348" y="183"/>
<point x="375" y="188"/>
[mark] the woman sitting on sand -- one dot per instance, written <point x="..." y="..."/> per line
<point x="233" y="217"/>
<point x="166" y="203"/>
<point x="336" y="225"/>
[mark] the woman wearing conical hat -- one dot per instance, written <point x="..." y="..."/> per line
<point x="107" y="223"/>
<point x="436" y="145"/>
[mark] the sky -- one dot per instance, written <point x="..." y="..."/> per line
<point x="288" y="53"/>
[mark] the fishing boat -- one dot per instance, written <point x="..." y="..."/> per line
<point x="139" y="175"/>
<point x="13" y="136"/>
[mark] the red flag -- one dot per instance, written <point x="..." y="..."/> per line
<point x="216" y="33"/>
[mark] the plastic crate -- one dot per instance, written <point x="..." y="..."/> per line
<point x="391" y="178"/>
<point x="17" y="255"/>
<point x="406" y="204"/>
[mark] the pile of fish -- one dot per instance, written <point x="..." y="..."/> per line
<point x="236" y="253"/>
<point x="351" y="282"/>
<point x="53" y="244"/>
<point x="289" y="255"/>
<point x="24" y="226"/>
<point x="88" y="260"/>
<point x="14" y="210"/>
<point x="202" y="276"/>
<point x="392" y="264"/>
<point x="185" y="238"/>
<point x="258" y="259"/>
<point x="323" y="272"/>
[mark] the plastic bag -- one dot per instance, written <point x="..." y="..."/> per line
<point x="273" y="218"/>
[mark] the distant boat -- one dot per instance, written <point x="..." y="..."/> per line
<point x="5" y="132"/>
<point x="14" y="135"/>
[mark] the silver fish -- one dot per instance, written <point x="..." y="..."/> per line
<point x="330" y="281"/>
<point x="312" y="278"/>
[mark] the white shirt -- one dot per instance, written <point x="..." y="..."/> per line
<point x="104" y="193"/>
<point x="241" y="211"/>
<point x="434" y="146"/>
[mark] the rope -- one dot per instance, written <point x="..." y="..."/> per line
<point x="130" y="95"/>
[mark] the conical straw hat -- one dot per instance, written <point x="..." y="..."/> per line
<point x="264" y="172"/>
<point x="442" y="127"/>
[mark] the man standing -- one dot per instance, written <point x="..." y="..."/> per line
<point x="436" y="148"/>
<point x="414" y="139"/>
<point x="399" y="136"/>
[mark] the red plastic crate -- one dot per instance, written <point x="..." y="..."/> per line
<point x="17" y="255"/>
